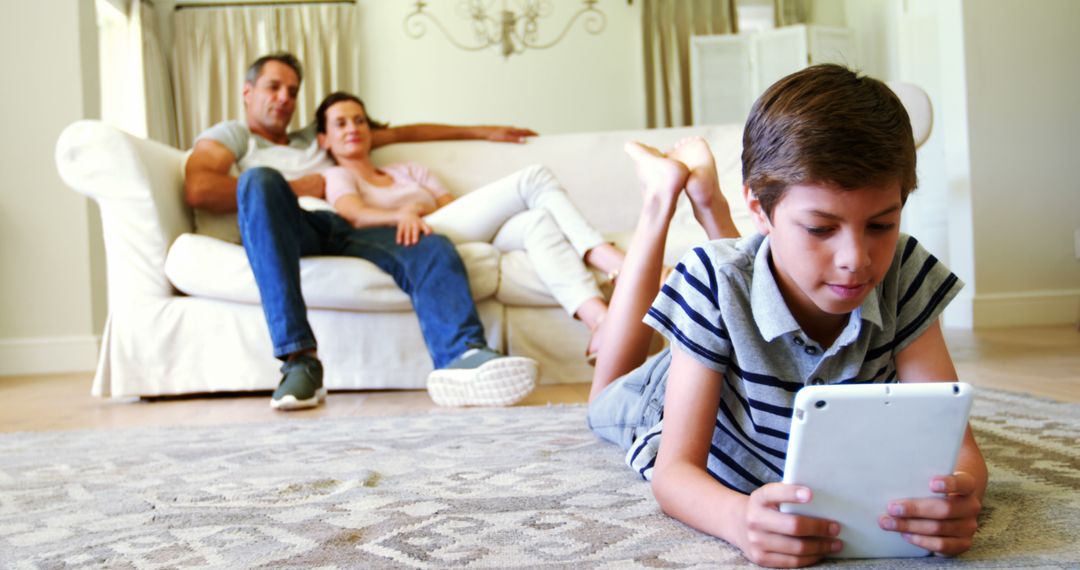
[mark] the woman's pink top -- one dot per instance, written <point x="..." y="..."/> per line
<point x="412" y="183"/>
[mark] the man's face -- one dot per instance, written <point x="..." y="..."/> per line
<point x="271" y="100"/>
<point x="830" y="247"/>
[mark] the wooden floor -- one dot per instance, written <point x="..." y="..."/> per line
<point x="1042" y="361"/>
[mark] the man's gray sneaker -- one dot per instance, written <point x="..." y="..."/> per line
<point x="483" y="377"/>
<point x="301" y="385"/>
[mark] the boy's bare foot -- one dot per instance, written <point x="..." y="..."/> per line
<point x="703" y="187"/>
<point x="661" y="177"/>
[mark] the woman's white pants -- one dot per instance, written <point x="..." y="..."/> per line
<point x="528" y="210"/>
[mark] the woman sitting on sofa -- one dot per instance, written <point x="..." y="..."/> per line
<point x="526" y="210"/>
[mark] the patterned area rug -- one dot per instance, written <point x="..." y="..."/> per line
<point x="524" y="487"/>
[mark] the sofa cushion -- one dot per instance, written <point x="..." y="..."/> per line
<point x="203" y="266"/>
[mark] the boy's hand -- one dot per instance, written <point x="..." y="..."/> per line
<point x="781" y="540"/>
<point x="943" y="525"/>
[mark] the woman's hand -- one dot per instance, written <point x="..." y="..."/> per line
<point x="943" y="525"/>
<point x="410" y="226"/>
<point x="781" y="540"/>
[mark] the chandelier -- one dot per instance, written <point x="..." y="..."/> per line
<point x="513" y="27"/>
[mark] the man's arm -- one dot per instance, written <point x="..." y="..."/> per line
<point x="432" y="132"/>
<point x="208" y="185"/>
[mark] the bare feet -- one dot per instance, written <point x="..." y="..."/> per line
<point x="703" y="187"/>
<point x="661" y="178"/>
<point x="625" y="341"/>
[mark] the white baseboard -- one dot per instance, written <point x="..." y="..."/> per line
<point x="1036" y="308"/>
<point x="48" y="355"/>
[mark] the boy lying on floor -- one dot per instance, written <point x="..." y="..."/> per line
<point x="829" y="291"/>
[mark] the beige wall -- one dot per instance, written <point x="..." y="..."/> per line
<point x="585" y="83"/>
<point x="52" y="295"/>
<point x="1012" y="203"/>
<point x="928" y="48"/>
<point x="46" y="301"/>
<point x="997" y="200"/>
<point x="1024" y="126"/>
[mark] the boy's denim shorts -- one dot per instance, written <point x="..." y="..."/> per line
<point x="633" y="404"/>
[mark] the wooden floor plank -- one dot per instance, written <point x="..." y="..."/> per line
<point x="1043" y="361"/>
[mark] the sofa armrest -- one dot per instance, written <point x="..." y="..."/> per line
<point x="138" y="185"/>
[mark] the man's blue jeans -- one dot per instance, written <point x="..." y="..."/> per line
<point x="276" y="233"/>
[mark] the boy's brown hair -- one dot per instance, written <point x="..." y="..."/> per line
<point x="827" y="125"/>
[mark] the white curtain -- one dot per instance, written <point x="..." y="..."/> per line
<point x="157" y="81"/>
<point x="136" y="89"/>
<point x="667" y="26"/>
<point x="790" y="12"/>
<point x="213" y="47"/>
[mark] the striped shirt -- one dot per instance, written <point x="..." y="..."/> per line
<point x="722" y="306"/>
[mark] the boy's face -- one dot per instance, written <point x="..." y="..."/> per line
<point x="830" y="247"/>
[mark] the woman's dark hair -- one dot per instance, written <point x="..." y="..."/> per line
<point x="827" y="125"/>
<point x="335" y="98"/>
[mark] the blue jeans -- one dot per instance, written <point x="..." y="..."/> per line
<point x="276" y="233"/>
<point x="631" y="405"/>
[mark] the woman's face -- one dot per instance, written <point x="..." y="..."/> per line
<point x="347" y="133"/>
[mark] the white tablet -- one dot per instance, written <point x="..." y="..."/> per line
<point x="857" y="447"/>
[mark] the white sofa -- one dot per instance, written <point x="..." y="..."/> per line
<point x="184" y="314"/>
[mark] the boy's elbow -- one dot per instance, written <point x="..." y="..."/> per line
<point x="663" y="503"/>
<point x="660" y="490"/>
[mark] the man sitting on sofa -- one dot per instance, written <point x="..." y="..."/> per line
<point x="275" y="169"/>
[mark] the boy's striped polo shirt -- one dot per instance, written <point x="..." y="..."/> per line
<point x="723" y="307"/>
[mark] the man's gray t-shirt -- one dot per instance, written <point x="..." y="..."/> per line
<point x="302" y="156"/>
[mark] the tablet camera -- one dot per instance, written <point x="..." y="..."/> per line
<point x="820" y="404"/>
